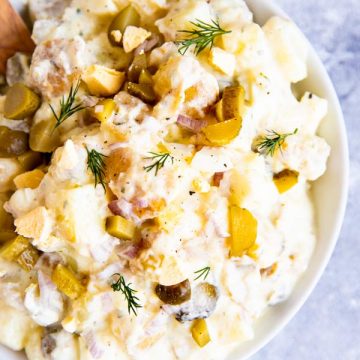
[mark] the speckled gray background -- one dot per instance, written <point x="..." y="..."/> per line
<point x="328" y="326"/>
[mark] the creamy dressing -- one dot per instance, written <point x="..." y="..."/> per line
<point x="182" y="215"/>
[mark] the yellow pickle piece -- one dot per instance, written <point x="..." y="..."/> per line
<point x="20" y="102"/>
<point x="119" y="227"/>
<point x="12" y="142"/>
<point x="126" y="17"/>
<point x="285" y="180"/>
<point x="13" y="248"/>
<point x="243" y="230"/>
<point x="200" y="333"/>
<point x="44" y="137"/>
<point x="104" y="109"/>
<point x="30" y="160"/>
<point x="28" y="258"/>
<point x="29" y="179"/>
<point x="67" y="282"/>
<point x="233" y="102"/>
<point x="145" y="77"/>
<point x="224" y="132"/>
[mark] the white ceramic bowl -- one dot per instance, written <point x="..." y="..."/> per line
<point x="329" y="196"/>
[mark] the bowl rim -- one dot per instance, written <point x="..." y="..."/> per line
<point x="275" y="10"/>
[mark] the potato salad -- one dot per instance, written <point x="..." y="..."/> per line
<point x="155" y="174"/>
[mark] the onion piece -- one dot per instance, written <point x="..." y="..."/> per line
<point x="147" y="45"/>
<point x="191" y="124"/>
<point x="95" y="350"/>
<point x="121" y="207"/>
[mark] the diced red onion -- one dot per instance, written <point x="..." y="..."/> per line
<point x="140" y="203"/>
<point x="218" y="176"/>
<point x="121" y="207"/>
<point x="107" y="302"/>
<point x="147" y="45"/>
<point x="93" y="347"/>
<point x="191" y="124"/>
<point x="89" y="101"/>
<point x="129" y="251"/>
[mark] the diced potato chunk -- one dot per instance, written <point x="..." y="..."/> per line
<point x="200" y="333"/>
<point x="224" y="132"/>
<point x="15" y="327"/>
<point x="20" y="102"/>
<point x="29" y="179"/>
<point x="286" y="180"/>
<point x="133" y="37"/>
<point x="28" y="258"/>
<point x="66" y="282"/>
<point x="119" y="227"/>
<point x="104" y="109"/>
<point x="222" y="61"/>
<point x="243" y="230"/>
<point x="233" y="102"/>
<point x="103" y="81"/>
<point x="12" y="249"/>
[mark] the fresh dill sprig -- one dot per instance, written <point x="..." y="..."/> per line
<point x="129" y="293"/>
<point x="67" y="106"/>
<point x="202" y="272"/>
<point x="202" y="36"/>
<point x="159" y="161"/>
<point x="96" y="163"/>
<point x="272" y="141"/>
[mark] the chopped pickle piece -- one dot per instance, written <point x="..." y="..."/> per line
<point x="174" y="294"/>
<point x="28" y="258"/>
<point x="127" y="16"/>
<point x="12" y="142"/>
<point x="123" y="59"/>
<point x="219" y="111"/>
<point x="117" y="162"/>
<point x="233" y="101"/>
<point x="119" y="227"/>
<point x="6" y="219"/>
<point x="29" y="179"/>
<point x="243" y="230"/>
<point x="144" y="92"/>
<point x="200" y="333"/>
<point x="66" y="282"/>
<point x="285" y="180"/>
<point x="104" y="109"/>
<point x="7" y="235"/>
<point x="103" y="81"/>
<point x="139" y="63"/>
<point x="44" y="137"/>
<point x="224" y="132"/>
<point x="20" y="102"/>
<point x="145" y="77"/>
<point x="13" y="248"/>
<point x="30" y="160"/>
